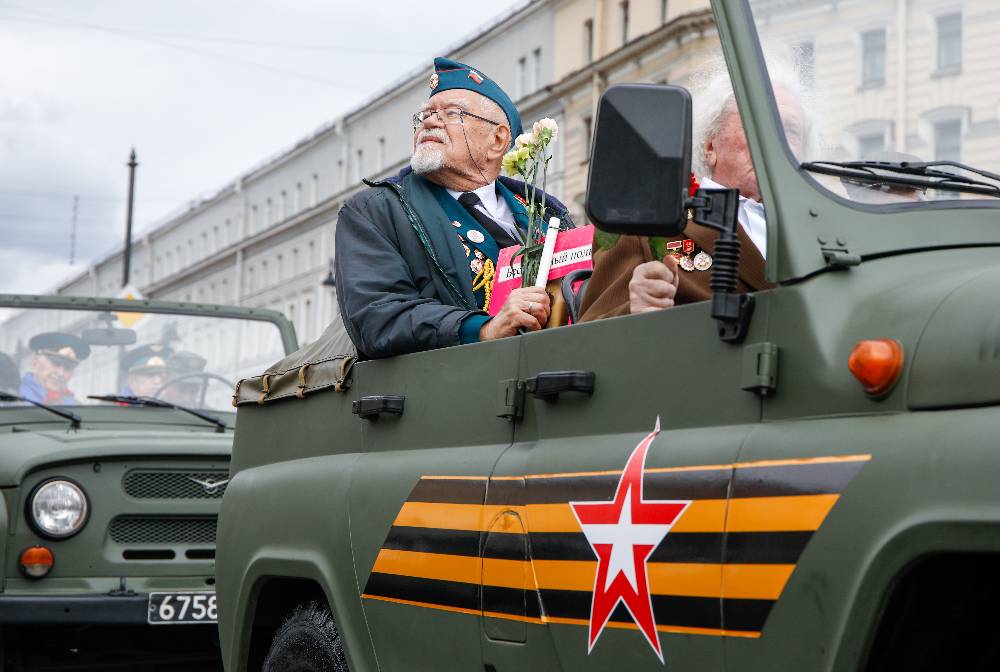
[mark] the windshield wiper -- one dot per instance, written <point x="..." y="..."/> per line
<point x="73" y="418"/>
<point x="159" y="403"/>
<point x="921" y="175"/>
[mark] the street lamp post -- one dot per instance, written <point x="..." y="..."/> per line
<point x="127" y="259"/>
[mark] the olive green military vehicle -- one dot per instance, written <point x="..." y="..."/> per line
<point x="801" y="478"/>
<point x="116" y="426"/>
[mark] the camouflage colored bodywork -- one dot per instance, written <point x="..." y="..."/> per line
<point x="324" y="504"/>
<point x="134" y="465"/>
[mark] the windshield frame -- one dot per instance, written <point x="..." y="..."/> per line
<point x="97" y="304"/>
<point x="804" y="212"/>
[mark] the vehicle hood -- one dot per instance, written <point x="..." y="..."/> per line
<point x="22" y="452"/>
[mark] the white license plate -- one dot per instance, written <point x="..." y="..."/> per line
<point x="173" y="608"/>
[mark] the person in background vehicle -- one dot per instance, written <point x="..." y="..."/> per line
<point x="185" y="391"/>
<point x="409" y="284"/>
<point x="146" y="368"/>
<point x="884" y="194"/>
<point x="627" y="279"/>
<point x="56" y="356"/>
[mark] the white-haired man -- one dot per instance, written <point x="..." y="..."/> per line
<point x="416" y="254"/>
<point x="628" y="279"/>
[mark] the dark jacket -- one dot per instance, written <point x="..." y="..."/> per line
<point x="402" y="276"/>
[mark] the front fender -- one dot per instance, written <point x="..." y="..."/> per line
<point x="290" y="520"/>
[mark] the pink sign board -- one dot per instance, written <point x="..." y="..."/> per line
<point x="572" y="252"/>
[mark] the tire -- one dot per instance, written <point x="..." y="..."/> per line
<point x="308" y="641"/>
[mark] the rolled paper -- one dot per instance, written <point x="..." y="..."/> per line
<point x="545" y="263"/>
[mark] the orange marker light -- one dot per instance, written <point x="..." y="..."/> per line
<point x="876" y="364"/>
<point x="36" y="561"/>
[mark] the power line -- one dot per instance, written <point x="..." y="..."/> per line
<point x="201" y="52"/>
<point x="90" y="197"/>
<point x="211" y="39"/>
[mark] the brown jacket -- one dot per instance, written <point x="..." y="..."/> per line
<point x="607" y="292"/>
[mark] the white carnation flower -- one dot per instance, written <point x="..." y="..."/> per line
<point x="525" y="139"/>
<point x="546" y="124"/>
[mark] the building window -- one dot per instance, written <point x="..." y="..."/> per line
<point x="282" y="206"/>
<point x="873" y="58"/>
<point x="204" y="244"/>
<point x="869" y="144"/>
<point x="298" y="197"/>
<point x="588" y="41"/>
<point x="381" y="154"/>
<point x="588" y="125"/>
<point x="522" y="75"/>
<point x="280" y="268"/>
<point x="359" y="165"/>
<point x="948" y="140"/>
<point x="536" y="67"/>
<point x="314" y="191"/>
<point x="265" y="279"/>
<point x="949" y="42"/>
<point x="623" y="13"/>
<point x="313" y="259"/>
<point x="270" y="212"/>
<point x="216" y="238"/>
<point x="664" y="11"/>
<point x="229" y="232"/>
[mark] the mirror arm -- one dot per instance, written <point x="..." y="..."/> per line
<point x="719" y="209"/>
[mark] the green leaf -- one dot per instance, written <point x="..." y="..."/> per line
<point x="659" y="247"/>
<point x="604" y="240"/>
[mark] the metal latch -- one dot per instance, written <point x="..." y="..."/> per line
<point x="510" y="399"/>
<point x="760" y="368"/>
<point x="840" y="258"/>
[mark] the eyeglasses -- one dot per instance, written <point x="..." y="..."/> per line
<point x="452" y="115"/>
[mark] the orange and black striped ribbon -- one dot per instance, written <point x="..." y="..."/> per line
<point x="511" y="547"/>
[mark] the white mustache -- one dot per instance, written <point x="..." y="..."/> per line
<point x="436" y="133"/>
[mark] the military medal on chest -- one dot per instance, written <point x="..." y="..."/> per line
<point x="681" y="251"/>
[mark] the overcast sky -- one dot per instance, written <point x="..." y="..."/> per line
<point x="203" y="90"/>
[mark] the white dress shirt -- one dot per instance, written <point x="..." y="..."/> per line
<point x="751" y="216"/>
<point x="493" y="207"/>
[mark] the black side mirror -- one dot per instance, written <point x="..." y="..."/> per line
<point x="640" y="166"/>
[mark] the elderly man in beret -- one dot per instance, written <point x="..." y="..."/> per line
<point x="56" y="356"/>
<point x="414" y="251"/>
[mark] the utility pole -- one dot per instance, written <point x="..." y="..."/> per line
<point x="127" y="259"/>
<point x="72" y="234"/>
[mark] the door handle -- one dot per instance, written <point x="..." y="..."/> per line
<point x="548" y="385"/>
<point x="372" y="406"/>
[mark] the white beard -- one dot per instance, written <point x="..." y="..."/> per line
<point x="427" y="159"/>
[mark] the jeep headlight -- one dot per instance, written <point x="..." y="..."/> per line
<point x="58" y="508"/>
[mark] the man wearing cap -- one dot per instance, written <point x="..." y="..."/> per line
<point x="412" y="249"/>
<point x="146" y="368"/>
<point x="56" y="356"/>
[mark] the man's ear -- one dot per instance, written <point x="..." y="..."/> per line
<point x="711" y="156"/>
<point x="500" y="143"/>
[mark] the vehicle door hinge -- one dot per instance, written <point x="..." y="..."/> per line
<point x="760" y="368"/>
<point x="510" y="399"/>
<point x="840" y="258"/>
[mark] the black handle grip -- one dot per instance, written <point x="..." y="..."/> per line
<point x="549" y="384"/>
<point x="373" y="406"/>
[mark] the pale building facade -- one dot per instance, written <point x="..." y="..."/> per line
<point x="266" y="239"/>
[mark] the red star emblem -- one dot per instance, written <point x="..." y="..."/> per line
<point x="623" y="534"/>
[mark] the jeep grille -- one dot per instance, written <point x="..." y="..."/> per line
<point x="163" y="530"/>
<point x="150" y="484"/>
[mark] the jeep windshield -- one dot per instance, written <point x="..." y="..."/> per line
<point x="899" y="97"/>
<point x="61" y="357"/>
